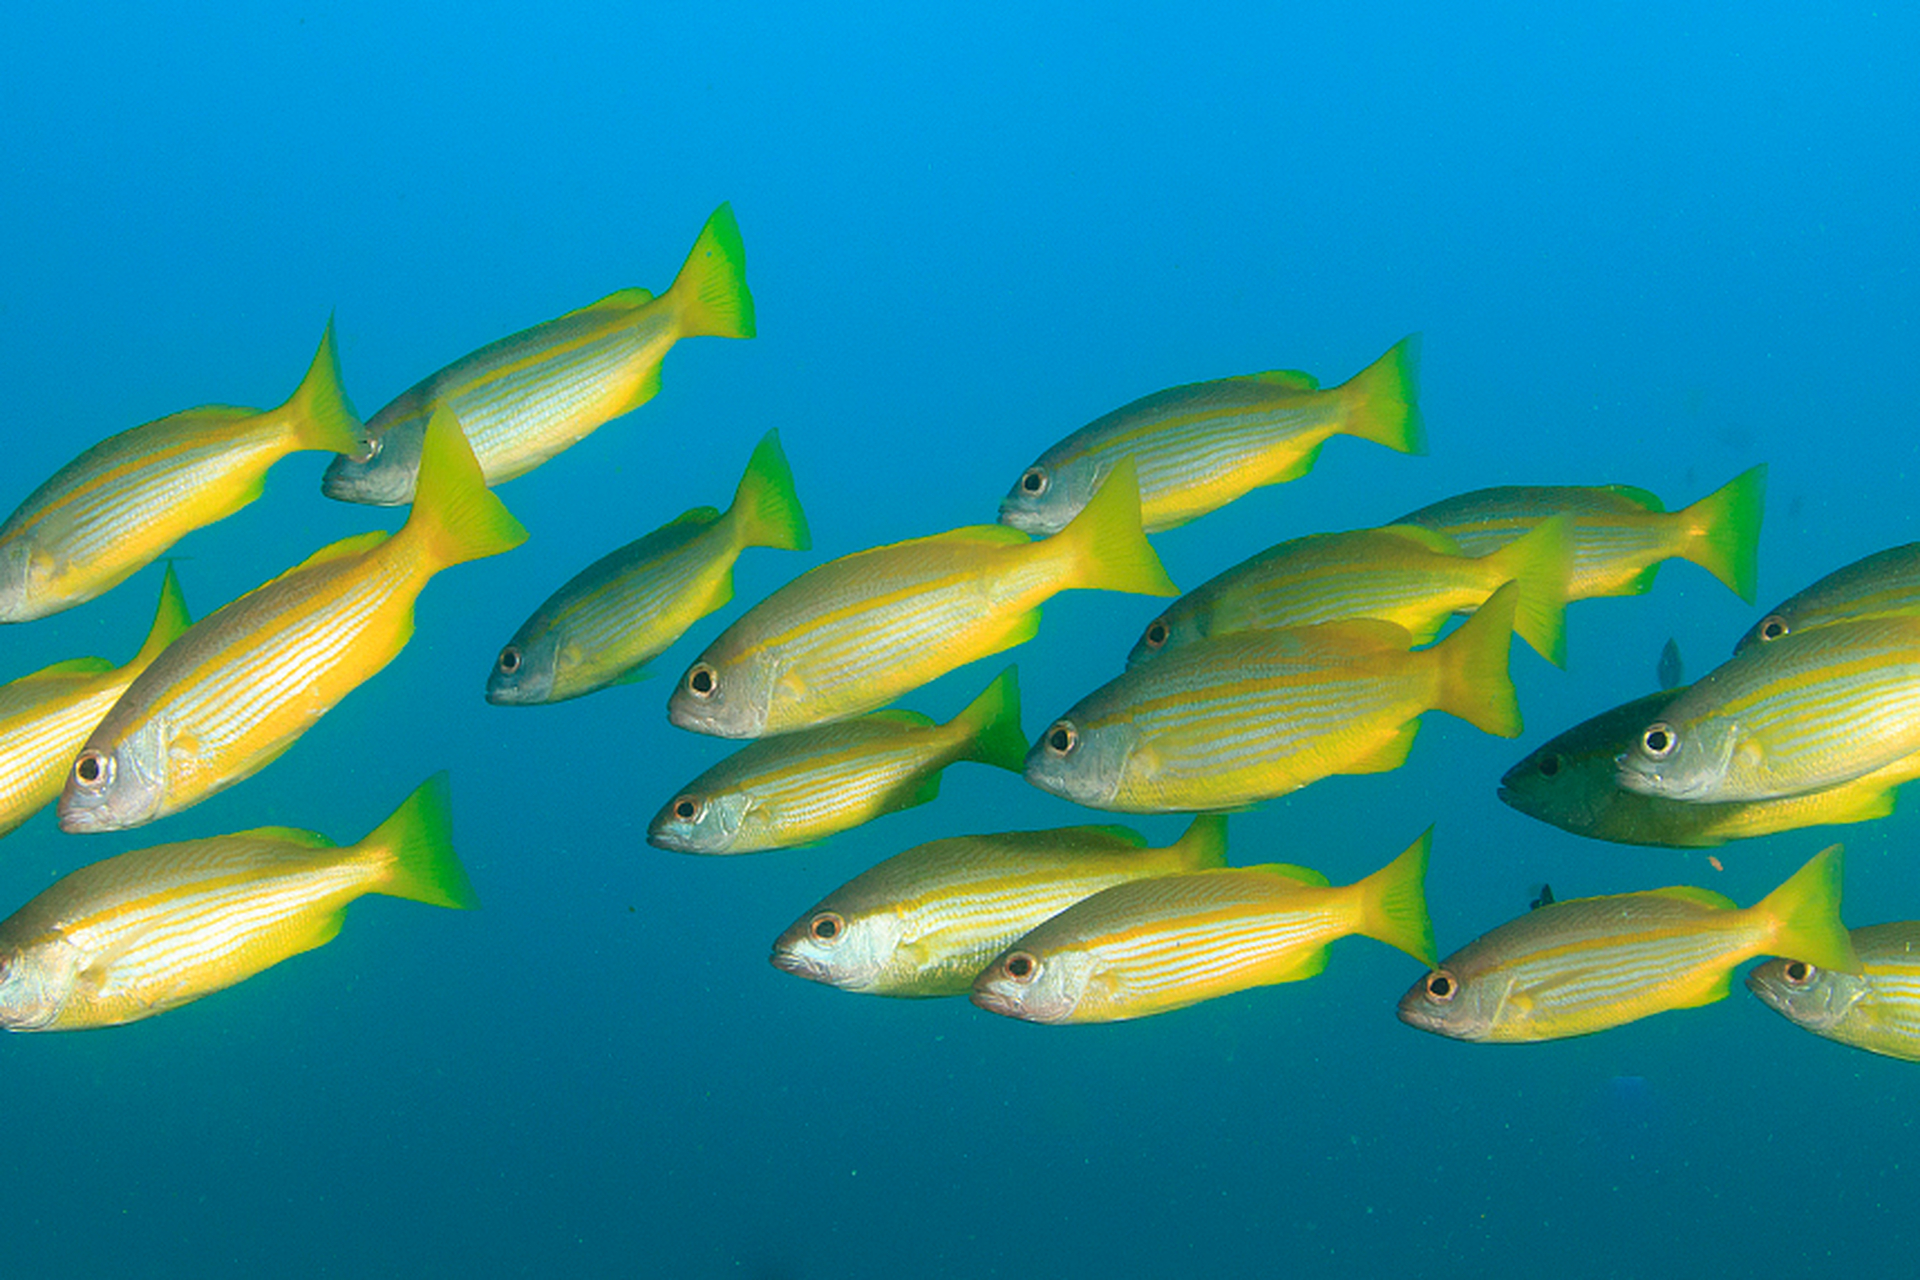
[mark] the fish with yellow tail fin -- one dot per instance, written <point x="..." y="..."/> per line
<point x="46" y="717"/>
<point x="857" y="632"/>
<point x="1620" y="534"/>
<point x="535" y="393"/>
<point x="1200" y="446"/>
<point x="1586" y="964"/>
<point x="117" y="507"/>
<point x="624" y="609"/>
<point x="240" y="687"/>
<point x="1232" y="720"/>
<point x="151" y="930"/>
<point x="1149" y="946"/>
<point x="1877" y="1009"/>
<point x="802" y="787"/>
<point x="926" y="922"/>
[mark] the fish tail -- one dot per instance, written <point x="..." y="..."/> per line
<point x="1474" y="684"/>
<point x="1806" y="915"/>
<point x="711" y="289"/>
<point x="1204" y="844"/>
<point x="768" y="509"/>
<point x="1109" y="543"/>
<point x="991" y="724"/>
<point x="1393" y="903"/>
<point x="417" y="843"/>
<point x="1725" y="531"/>
<point x="456" y="514"/>
<point x="322" y="416"/>
<point x="1541" y="561"/>
<point x="169" y="621"/>
<point x="1383" y="399"/>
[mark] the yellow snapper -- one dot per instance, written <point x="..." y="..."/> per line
<point x="927" y="921"/>
<point x="118" y="506"/>
<point x="1620" y="533"/>
<point x="1401" y="573"/>
<point x="225" y="699"/>
<point x="150" y="930"/>
<point x="1586" y="964"/>
<point x="1572" y="783"/>
<point x="1148" y="946"/>
<point x="1810" y="710"/>
<point x="1234" y="719"/>
<point x="857" y="632"/>
<point x="1884" y="582"/>
<point x="623" y="610"/>
<point x="45" y="717"/>
<point x="535" y="393"/>
<point x="806" y="786"/>
<point x="1200" y="446"/>
<point x="1877" y="1009"/>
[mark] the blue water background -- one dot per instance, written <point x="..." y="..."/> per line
<point x="1653" y="245"/>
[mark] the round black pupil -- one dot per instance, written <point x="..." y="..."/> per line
<point x="509" y="660"/>
<point x="1657" y="740"/>
<point x="1440" y="986"/>
<point x="1019" y="966"/>
<point x="824" y="928"/>
<point x="1549" y="765"/>
<point x="684" y="809"/>
<point x="1774" y="629"/>
<point x="1157" y="633"/>
<point x="1060" y="739"/>
<point x="1797" y="971"/>
<point x="89" y="769"/>
<point x="701" y="682"/>
<point x="1031" y="482"/>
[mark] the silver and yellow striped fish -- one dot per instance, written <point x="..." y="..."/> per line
<point x="1148" y="946"/>
<point x="45" y="717"/>
<point x="1583" y="965"/>
<point x="1884" y="582"/>
<point x="624" y="609"/>
<point x="118" y="506"/>
<point x="1877" y="1009"/>
<point x="1813" y="709"/>
<point x="241" y="686"/>
<point x="806" y="786"/>
<point x="151" y="930"/>
<point x="1200" y="446"/>
<point x="538" y="392"/>
<point x="926" y="922"/>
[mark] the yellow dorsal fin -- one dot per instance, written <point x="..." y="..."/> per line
<point x="1288" y="871"/>
<point x="290" y="835"/>
<point x="71" y="667"/>
<point x="618" y="300"/>
<point x="354" y="545"/>
<point x="1432" y="539"/>
<point x="1687" y="893"/>
<point x="1292" y="379"/>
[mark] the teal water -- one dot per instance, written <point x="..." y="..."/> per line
<point x="1652" y="246"/>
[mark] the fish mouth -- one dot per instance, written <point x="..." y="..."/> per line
<point x="800" y="966"/>
<point x="993" y="1000"/>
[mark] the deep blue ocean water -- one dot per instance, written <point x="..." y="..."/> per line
<point x="1653" y="245"/>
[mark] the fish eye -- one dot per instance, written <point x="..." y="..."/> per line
<point x="1773" y="626"/>
<point x="93" y="769"/>
<point x="1157" y="633"/>
<point x="509" y="660"/>
<point x="1022" y="966"/>
<point x="827" y="927"/>
<point x="1441" y="986"/>
<point x="689" y="808"/>
<point x="1659" y="739"/>
<point x="1062" y="738"/>
<point x="1033" y="481"/>
<point x="1798" y="973"/>
<point x="1549" y="764"/>
<point x="702" y="680"/>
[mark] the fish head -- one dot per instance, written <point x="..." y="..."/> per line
<point x="115" y="785"/>
<point x="36" y="981"/>
<point x="1033" y="985"/>
<point x="1569" y="791"/>
<point x="383" y="474"/>
<point x="695" y="823"/>
<point x="1175" y="627"/>
<point x="1452" y="1002"/>
<point x="725" y="699"/>
<point x="1050" y="493"/>
<point x="16" y="581"/>
<point x="1081" y="762"/>
<point x="852" y="952"/>
<point x="523" y="673"/>
<point x="1683" y="759"/>
<point x="1806" y="994"/>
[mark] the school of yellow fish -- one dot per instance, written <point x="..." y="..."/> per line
<point x="1315" y="657"/>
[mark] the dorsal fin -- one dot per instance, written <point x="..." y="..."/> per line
<point x="1291" y="379"/>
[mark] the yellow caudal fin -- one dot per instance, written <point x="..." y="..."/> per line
<point x="1393" y="903"/>
<point x="711" y="289"/>
<point x="765" y="506"/>
<point x="991" y="724"/>
<point x="1541" y="561"/>
<point x="418" y="842"/>
<point x="321" y="415"/>
<point x="1204" y="844"/>
<point x="454" y="514"/>
<point x="1107" y="543"/>
<point x="1383" y="399"/>
<point x="169" y="620"/>
<point x="1474" y="684"/>
<point x="1724" y="531"/>
<point x="1806" y="915"/>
